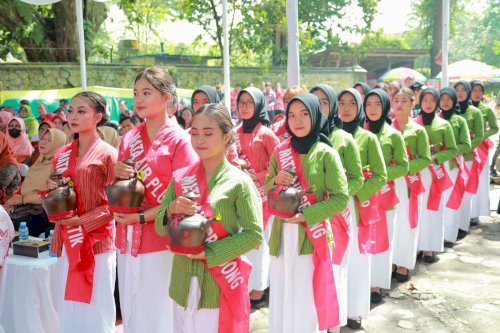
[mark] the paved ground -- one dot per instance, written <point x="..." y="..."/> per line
<point x="459" y="293"/>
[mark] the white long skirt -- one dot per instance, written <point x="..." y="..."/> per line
<point x="382" y="262"/>
<point x="194" y="320"/>
<point x="340" y="271"/>
<point x="431" y="235"/>
<point x="260" y="259"/>
<point x="464" y="213"/>
<point x="100" y="314"/>
<point x="358" y="277"/>
<point x="451" y="216"/>
<point x="291" y="299"/>
<point x="143" y="282"/>
<point x="481" y="201"/>
<point x="405" y="238"/>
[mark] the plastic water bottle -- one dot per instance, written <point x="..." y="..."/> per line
<point x="51" y="234"/>
<point x="23" y="232"/>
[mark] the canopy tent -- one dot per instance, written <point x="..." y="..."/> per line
<point x="468" y="70"/>
<point x="401" y="73"/>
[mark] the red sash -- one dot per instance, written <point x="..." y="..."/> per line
<point x="341" y="235"/>
<point x="245" y="156"/>
<point x="231" y="277"/>
<point x="416" y="187"/>
<point x="457" y="194"/>
<point x="441" y="181"/>
<point x="373" y="235"/>
<point x="325" y="294"/>
<point x="78" y="244"/>
<point x="387" y="196"/>
<point x="480" y="160"/>
<point x="138" y="150"/>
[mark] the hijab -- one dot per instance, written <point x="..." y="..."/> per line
<point x="319" y="124"/>
<point x="453" y="94"/>
<point x="365" y="86"/>
<point x="333" y="115"/>
<point x="259" y="111"/>
<point x="427" y="118"/>
<point x="39" y="172"/>
<point x="21" y="146"/>
<point x="6" y="117"/>
<point x="209" y="91"/>
<point x="474" y="83"/>
<point x="376" y="126"/>
<point x="30" y="121"/>
<point x="465" y="104"/>
<point x="6" y="154"/>
<point x="359" y="120"/>
<point x="110" y="135"/>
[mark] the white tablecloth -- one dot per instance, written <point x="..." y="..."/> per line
<point x="28" y="294"/>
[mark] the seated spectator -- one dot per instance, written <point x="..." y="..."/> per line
<point x="44" y="126"/>
<point x="10" y="110"/>
<point x="42" y="112"/>
<point x="70" y="136"/>
<point x="63" y="107"/>
<point x="109" y="135"/>
<point x="128" y="123"/>
<point x="18" y="139"/>
<point x="10" y="177"/>
<point x="59" y="120"/>
<point x="5" y="117"/>
<point x="124" y="111"/>
<point x="186" y="118"/>
<point x="31" y="123"/>
<point x="25" y="205"/>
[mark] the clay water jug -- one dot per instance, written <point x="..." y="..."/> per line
<point x="284" y="201"/>
<point x="126" y="195"/>
<point x="60" y="203"/>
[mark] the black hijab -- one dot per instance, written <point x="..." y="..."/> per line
<point x="453" y="94"/>
<point x="319" y="124"/>
<point x="465" y="104"/>
<point x="259" y="111"/>
<point x="359" y="120"/>
<point x="209" y="91"/>
<point x="333" y="116"/>
<point x="427" y="118"/>
<point x="474" y="83"/>
<point x="364" y="85"/>
<point x="376" y="126"/>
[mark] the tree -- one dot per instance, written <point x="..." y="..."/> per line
<point x="490" y="50"/>
<point x="48" y="33"/>
<point x="427" y="18"/>
<point x="258" y="28"/>
<point x="144" y="16"/>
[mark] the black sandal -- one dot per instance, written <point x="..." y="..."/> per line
<point x="354" y="324"/>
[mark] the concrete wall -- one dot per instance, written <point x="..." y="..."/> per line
<point x="41" y="76"/>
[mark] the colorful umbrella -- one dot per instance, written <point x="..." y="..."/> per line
<point x="401" y="73"/>
<point x="468" y="70"/>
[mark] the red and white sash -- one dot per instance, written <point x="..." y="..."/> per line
<point x="457" y="194"/>
<point x="415" y="185"/>
<point x="155" y="188"/>
<point x="325" y="295"/>
<point x="232" y="276"/>
<point x="373" y="235"/>
<point x="341" y="235"/>
<point x="246" y="156"/>
<point x="480" y="160"/>
<point x="79" y="245"/>
<point x="441" y="181"/>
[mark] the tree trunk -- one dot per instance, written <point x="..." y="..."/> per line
<point x="437" y="37"/>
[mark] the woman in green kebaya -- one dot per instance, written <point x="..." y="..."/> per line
<point x="377" y="108"/>
<point x="302" y="299"/>
<point x="475" y="122"/>
<point x="359" y="270"/>
<point x="481" y="206"/>
<point x="458" y="173"/>
<point x="435" y="178"/>
<point x="408" y="213"/>
<point x="348" y="151"/>
<point x="199" y="286"/>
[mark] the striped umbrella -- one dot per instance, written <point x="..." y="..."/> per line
<point x="401" y="73"/>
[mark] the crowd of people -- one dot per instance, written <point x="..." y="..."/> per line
<point x="386" y="175"/>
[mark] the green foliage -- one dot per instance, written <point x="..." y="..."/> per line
<point x="490" y="29"/>
<point x="377" y="39"/>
